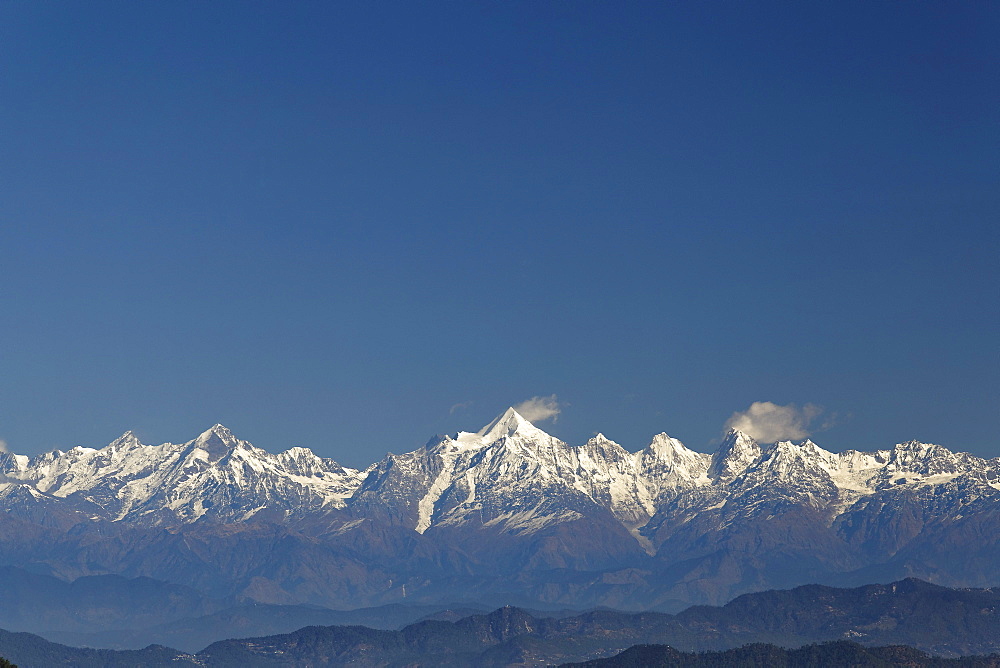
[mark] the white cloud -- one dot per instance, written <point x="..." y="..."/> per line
<point x="3" y="446"/>
<point x="768" y="422"/>
<point x="537" y="409"/>
<point x="459" y="407"/>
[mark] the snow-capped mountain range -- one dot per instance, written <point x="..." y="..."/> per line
<point x="511" y="500"/>
<point x="215" y="474"/>
<point x="509" y="473"/>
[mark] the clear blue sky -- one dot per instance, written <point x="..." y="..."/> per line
<point x="350" y="226"/>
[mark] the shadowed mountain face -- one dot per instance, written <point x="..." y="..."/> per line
<point x="504" y="515"/>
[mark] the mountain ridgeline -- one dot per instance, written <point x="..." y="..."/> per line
<point x="505" y="515"/>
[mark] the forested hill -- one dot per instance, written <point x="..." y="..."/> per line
<point x="836" y="654"/>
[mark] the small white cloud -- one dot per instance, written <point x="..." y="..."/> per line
<point x="538" y="409"/>
<point x="460" y="407"/>
<point x="768" y="422"/>
<point x="3" y="446"/>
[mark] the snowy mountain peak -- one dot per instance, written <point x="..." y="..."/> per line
<point x="508" y="424"/>
<point x="217" y="431"/>
<point x="737" y="452"/>
<point x="600" y="440"/>
<point x="662" y="443"/>
<point x="812" y="450"/>
<point x="125" y="441"/>
<point x="217" y="441"/>
<point x="784" y="456"/>
<point x="924" y="458"/>
<point x="667" y="463"/>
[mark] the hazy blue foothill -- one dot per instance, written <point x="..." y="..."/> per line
<point x="117" y="613"/>
<point x="916" y="618"/>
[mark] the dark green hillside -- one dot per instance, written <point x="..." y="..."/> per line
<point x="840" y="654"/>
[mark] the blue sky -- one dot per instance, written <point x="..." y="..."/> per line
<point x="350" y="226"/>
